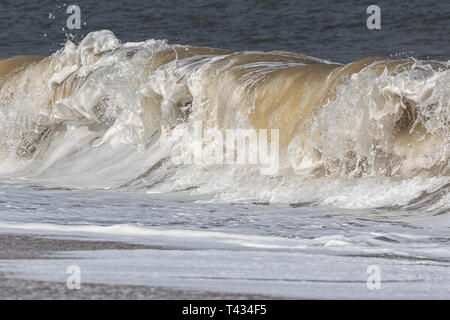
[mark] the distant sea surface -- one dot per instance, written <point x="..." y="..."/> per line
<point x="334" y="30"/>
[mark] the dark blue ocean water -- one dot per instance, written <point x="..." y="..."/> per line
<point x="334" y="30"/>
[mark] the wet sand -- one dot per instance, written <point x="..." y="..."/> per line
<point x="29" y="247"/>
<point x="15" y="246"/>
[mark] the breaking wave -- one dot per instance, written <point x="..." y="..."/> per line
<point x="106" y="114"/>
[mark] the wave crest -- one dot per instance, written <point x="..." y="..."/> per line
<point x="106" y="114"/>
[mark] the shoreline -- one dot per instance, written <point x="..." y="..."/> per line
<point x="28" y="247"/>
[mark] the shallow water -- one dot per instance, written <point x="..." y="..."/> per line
<point x="279" y="250"/>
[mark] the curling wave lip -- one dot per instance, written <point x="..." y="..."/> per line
<point x="104" y="114"/>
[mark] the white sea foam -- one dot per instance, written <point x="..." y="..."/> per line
<point x="105" y="114"/>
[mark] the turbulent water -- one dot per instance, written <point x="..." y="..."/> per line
<point x="365" y="141"/>
<point x="106" y="114"/>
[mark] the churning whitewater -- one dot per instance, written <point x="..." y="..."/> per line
<point x="112" y="115"/>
